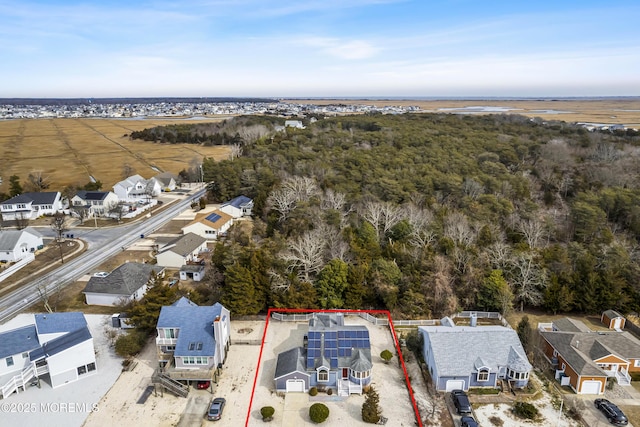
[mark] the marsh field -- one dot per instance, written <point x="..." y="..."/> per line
<point x="614" y="110"/>
<point x="69" y="151"/>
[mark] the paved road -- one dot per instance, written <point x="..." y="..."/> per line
<point x="103" y="244"/>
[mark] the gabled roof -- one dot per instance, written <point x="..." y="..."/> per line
<point x="184" y="302"/>
<point x="612" y="314"/>
<point x="39" y="198"/>
<point x="93" y="195"/>
<point x="580" y="349"/>
<point x="124" y="280"/>
<point x="333" y="344"/>
<point x="131" y="181"/>
<point x="61" y="343"/>
<point x="184" y="245"/>
<point x="9" y="238"/>
<point x="165" y="178"/>
<point x="195" y="323"/>
<point x="567" y="324"/>
<point x="215" y="219"/>
<point x="192" y="268"/>
<point x="456" y="349"/>
<point x="52" y="323"/>
<point x="239" y="202"/>
<point x="18" y="341"/>
<point x="291" y="361"/>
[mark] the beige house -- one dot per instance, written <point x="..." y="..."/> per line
<point x="209" y="225"/>
<point x="182" y="250"/>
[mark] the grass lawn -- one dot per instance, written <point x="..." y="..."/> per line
<point x="535" y="317"/>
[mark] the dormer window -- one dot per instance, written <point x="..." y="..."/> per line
<point x="483" y="374"/>
<point x="323" y="375"/>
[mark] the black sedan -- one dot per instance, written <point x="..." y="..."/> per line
<point x="611" y="412"/>
<point x="461" y="402"/>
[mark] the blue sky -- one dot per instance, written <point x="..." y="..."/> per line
<point x="319" y="48"/>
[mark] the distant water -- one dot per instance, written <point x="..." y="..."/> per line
<point x="480" y="109"/>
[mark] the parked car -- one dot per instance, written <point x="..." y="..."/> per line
<point x="611" y="412"/>
<point x="468" y="422"/>
<point x="215" y="409"/>
<point x="461" y="402"/>
<point x="203" y="385"/>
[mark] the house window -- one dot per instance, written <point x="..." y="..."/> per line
<point x="21" y="206"/>
<point x="323" y="375"/>
<point x="563" y="366"/>
<point x="555" y="353"/>
<point x="483" y="375"/>
<point x="25" y="355"/>
<point x="9" y="361"/>
<point x="636" y="363"/>
<point x="91" y="367"/>
<point x="170" y="333"/>
<point x="82" y="370"/>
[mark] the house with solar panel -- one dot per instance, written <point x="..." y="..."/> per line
<point x="239" y="207"/>
<point x="209" y="225"/>
<point x="193" y="341"/>
<point x="183" y="250"/>
<point x="334" y="356"/>
<point x="460" y="357"/>
<point x="97" y="203"/>
<point x="57" y="348"/>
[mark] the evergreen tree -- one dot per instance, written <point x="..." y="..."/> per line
<point x="239" y="293"/>
<point x="331" y="284"/>
<point x="370" y="408"/>
<point x="144" y="313"/>
<point x="14" y="185"/>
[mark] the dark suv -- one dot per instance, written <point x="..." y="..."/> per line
<point x="461" y="402"/>
<point x="612" y="412"/>
<point x="468" y="422"/>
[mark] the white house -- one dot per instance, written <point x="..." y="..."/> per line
<point x="192" y="339"/>
<point x="167" y="181"/>
<point x="97" y="202"/>
<point x="136" y="187"/>
<point x="238" y="207"/>
<point x="209" y="225"/>
<point x="31" y="205"/>
<point x="293" y="124"/>
<point x="16" y="244"/>
<point x="181" y="251"/>
<point x="126" y="283"/>
<point x="57" y="348"/>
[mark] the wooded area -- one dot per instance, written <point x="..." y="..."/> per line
<point x="425" y="214"/>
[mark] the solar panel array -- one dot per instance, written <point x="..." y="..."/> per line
<point x="336" y="344"/>
<point x="213" y="217"/>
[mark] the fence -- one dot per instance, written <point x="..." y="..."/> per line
<point x="17" y="266"/>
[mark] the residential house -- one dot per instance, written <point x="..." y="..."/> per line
<point x="57" y="348"/>
<point x="583" y="359"/>
<point x="17" y="244"/>
<point x="209" y="225"/>
<point x="136" y="187"/>
<point x="126" y="283"/>
<point x="335" y="356"/>
<point x="238" y="207"/>
<point x="293" y="124"/>
<point x="31" y="205"/>
<point x="182" y="250"/>
<point x="613" y="320"/>
<point x="98" y="203"/>
<point x="192" y="340"/>
<point x="461" y="357"/>
<point x="167" y="181"/>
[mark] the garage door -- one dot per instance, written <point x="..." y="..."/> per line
<point x="616" y="323"/>
<point x="455" y="385"/>
<point x="591" y="387"/>
<point x="295" y="386"/>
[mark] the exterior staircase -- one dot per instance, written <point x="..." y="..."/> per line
<point x="169" y="384"/>
<point x="623" y="377"/>
<point x="18" y="381"/>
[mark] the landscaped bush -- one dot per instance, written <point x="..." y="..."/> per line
<point x="525" y="410"/>
<point x="318" y="413"/>
<point x="330" y="391"/>
<point x="313" y="391"/>
<point x="496" y="421"/>
<point x="370" y="408"/>
<point x="267" y="413"/>
<point x="131" y="343"/>
<point x="386" y="356"/>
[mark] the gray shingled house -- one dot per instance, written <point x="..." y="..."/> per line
<point x="182" y="251"/>
<point x="335" y="356"/>
<point x="123" y="285"/>
<point x="460" y="357"/>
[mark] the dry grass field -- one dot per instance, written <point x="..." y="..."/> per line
<point x="69" y="151"/>
<point x="619" y="111"/>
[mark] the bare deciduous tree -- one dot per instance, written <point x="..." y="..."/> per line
<point x="333" y="200"/>
<point x="81" y="211"/>
<point x="420" y="220"/>
<point x="59" y="226"/>
<point x="533" y="230"/>
<point x="458" y="229"/>
<point x="305" y="254"/>
<point x="49" y="295"/>
<point x="472" y="188"/>
<point x="235" y="150"/>
<point x="127" y="171"/>
<point x="116" y="210"/>
<point x="499" y="255"/>
<point x="282" y="200"/>
<point x="38" y="181"/>
<point x="528" y="280"/>
<point x="382" y="215"/>
<point x="22" y="220"/>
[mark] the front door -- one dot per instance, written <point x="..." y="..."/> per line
<point x="345" y="373"/>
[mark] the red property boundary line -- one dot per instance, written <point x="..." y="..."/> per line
<point x="302" y="310"/>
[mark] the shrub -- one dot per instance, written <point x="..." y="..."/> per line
<point x="130" y="344"/>
<point x="318" y="413"/>
<point x="611" y="382"/>
<point x="330" y="391"/>
<point x="525" y="410"/>
<point x="267" y="412"/>
<point x="313" y="391"/>
<point x="386" y="356"/>
<point x="496" y="421"/>
<point x="370" y="409"/>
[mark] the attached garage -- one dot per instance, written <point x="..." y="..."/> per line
<point x="294" y="386"/>
<point x="591" y="387"/>
<point x="454" y="385"/>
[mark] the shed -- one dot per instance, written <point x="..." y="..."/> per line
<point x="612" y="319"/>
